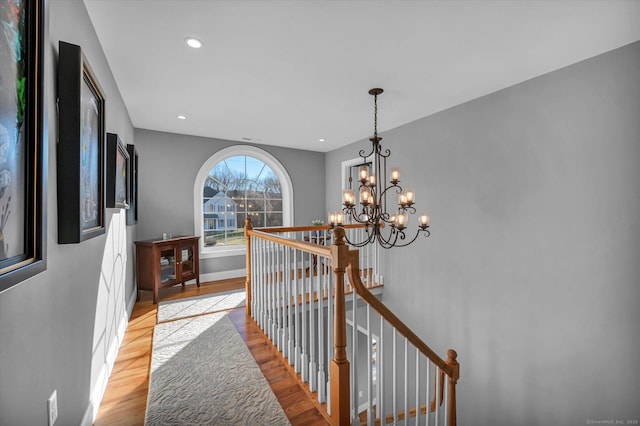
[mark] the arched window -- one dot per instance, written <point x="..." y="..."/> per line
<point x="236" y="183"/>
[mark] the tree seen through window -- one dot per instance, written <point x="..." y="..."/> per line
<point x="236" y="188"/>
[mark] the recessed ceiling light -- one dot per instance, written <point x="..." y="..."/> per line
<point x="193" y="42"/>
<point x="181" y="117"/>
<point x="321" y="140"/>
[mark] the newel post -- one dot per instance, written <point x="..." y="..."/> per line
<point x="339" y="371"/>
<point x="451" y="388"/>
<point x="247" y="285"/>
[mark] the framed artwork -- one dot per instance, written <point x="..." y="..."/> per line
<point x="132" y="213"/>
<point x="118" y="173"/>
<point x="80" y="156"/>
<point x="22" y="142"/>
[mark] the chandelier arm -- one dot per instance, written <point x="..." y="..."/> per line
<point x="351" y="211"/>
<point x="398" y="189"/>
<point x="387" y="153"/>
<point x="385" y="217"/>
<point x="410" y="209"/>
<point x="427" y="233"/>
<point x="386" y="242"/>
<point x="363" y="156"/>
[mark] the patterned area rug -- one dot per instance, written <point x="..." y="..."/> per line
<point x="198" y="305"/>
<point x="202" y="373"/>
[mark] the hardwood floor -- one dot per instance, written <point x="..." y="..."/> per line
<point x="125" y="400"/>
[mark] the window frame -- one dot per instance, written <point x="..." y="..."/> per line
<point x="238" y="150"/>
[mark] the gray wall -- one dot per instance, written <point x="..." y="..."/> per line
<point x="169" y="164"/>
<point x="532" y="270"/>
<point x="58" y="329"/>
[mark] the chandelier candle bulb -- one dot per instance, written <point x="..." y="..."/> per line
<point x="365" y="196"/>
<point x="348" y="198"/>
<point x="401" y="221"/>
<point x="335" y="218"/>
<point x="364" y="173"/>
<point x="372" y="180"/>
<point x="411" y="196"/>
<point x="424" y="221"/>
<point x="402" y="199"/>
<point x="395" y="175"/>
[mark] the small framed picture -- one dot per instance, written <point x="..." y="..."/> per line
<point x="117" y="185"/>
<point x="80" y="168"/>
<point x="132" y="213"/>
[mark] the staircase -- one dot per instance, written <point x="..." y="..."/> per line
<point x="315" y="299"/>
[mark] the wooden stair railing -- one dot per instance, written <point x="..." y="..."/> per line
<point x="450" y="367"/>
<point x="295" y="308"/>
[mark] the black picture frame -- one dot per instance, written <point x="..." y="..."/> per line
<point x="118" y="173"/>
<point x="132" y="213"/>
<point x="80" y="153"/>
<point x="23" y="144"/>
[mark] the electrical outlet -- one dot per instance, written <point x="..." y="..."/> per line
<point x="52" y="407"/>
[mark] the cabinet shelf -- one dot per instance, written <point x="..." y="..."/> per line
<point x="165" y="263"/>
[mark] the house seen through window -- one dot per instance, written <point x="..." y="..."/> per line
<point x="238" y="187"/>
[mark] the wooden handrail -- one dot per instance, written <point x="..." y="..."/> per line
<point x="353" y="270"/>
<point x="275" y="229"/>
<point x="316" y="249"/>
<point x="450" y="367"/>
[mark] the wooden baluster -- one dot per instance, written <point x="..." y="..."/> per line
<point x="297" y="316"/>
<point x="247" y="286"/>
<point x="417" y="386"/>
<point x="304" y="355"/>
<point x="330" y="330"/>
<point x="279" y="299"/>
<point x="322" y="380"/>
<point x="369" y="366"/>
<point x="287" y="300"/>
<point x="380" y="409"/>
<point x="451" y="389"/>
<point x="406" y="381"/>
<point x="313" y="336"/>
<point x="339" y="364"/>
<point x="355" y="365"/>
<point x="272" y="294"/>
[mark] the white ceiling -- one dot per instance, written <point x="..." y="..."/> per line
<point x="291" y="72"/>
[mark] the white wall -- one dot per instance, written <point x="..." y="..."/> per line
<point x="532" y="269"/>
<point x="61" y="329"/>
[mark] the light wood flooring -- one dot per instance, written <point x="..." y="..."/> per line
<point x="125" y="399"/>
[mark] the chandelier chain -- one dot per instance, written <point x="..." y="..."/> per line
<point x="375" y="116"/>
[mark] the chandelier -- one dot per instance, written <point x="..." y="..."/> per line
<point x="387" y="228"/>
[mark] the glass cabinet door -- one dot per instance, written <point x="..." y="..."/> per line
<point x="167" y="265"/>
<point x="186" y="258"/>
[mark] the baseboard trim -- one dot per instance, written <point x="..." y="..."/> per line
<point x="223" y="275"/>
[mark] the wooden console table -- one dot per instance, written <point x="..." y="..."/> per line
<point x="165" y="263"/>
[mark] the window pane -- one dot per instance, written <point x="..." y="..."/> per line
<point x="274" y="219"/>
<point x="239" y="187"/>
<point x="254" y="169"/>
<point x="254" y="205"/>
